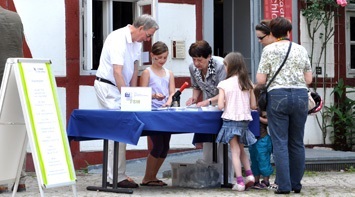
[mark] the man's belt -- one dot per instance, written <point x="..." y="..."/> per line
<point x="105" y="81"/>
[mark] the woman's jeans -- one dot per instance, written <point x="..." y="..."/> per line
<point x="287" y="114"/>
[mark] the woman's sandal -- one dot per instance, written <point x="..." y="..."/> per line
<point x="163" y="183"/>
<point x="154" y="183"/>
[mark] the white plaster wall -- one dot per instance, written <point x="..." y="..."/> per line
<point x="86" y="92"/>
<point x="44" y="27"/>
<point x="62" y="102"/>
<point x="313" y="133"/>
<point x="306" y="42"/>
<point x="177" y="22"/>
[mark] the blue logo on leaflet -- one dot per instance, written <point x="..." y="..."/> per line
<point x="127" y="95"/>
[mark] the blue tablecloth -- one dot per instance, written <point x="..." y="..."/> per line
<point x="127" y="127"/>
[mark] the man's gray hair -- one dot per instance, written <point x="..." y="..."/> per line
<point x="147" y="21"/>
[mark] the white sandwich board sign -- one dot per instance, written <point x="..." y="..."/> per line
<point x="29" y="104"/>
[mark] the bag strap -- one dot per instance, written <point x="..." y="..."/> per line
<point x="278" y="70"/>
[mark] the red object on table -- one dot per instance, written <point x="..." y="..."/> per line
<point x="183" y="86"/>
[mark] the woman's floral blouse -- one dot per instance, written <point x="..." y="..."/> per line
<point x="291" y="74"/>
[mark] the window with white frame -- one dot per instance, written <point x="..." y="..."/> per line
<point x="98" y="19"/>
<point x="350" y="40"/>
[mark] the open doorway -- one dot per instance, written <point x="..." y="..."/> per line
<point x="234" y="23"/>
<point x="122" y="14"/>
<point x="218" y="28"/>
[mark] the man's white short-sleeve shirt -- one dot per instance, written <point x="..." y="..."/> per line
<point x="119" y="49"/>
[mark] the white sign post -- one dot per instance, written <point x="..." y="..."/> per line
<point x="32" y="83"/>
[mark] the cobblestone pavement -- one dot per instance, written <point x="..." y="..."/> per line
<point x="333" y="183"/>
<point x="314" y="184"/>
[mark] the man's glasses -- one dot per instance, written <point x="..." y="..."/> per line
<point x="148" y="35"/>
<point x="262" y="37"/>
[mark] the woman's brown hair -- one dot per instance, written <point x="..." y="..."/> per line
<point x="264" y="26"/>
<point x="280" y="26"/>
<point x="236" y="66"/>
<point x="159" y="48"/>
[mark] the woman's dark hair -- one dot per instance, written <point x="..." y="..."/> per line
<point x="236" y="66"/>
<point x="200" y="48"/>
<point x="279" y="27"/>
<point x="159" y="48"/>
<point x="263" y="26"/>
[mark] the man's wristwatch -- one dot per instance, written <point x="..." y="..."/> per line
<point x="209" y="101"/>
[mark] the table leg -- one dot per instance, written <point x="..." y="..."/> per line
<point x="104" y="173"/>
<point x="214" y="149"/>
<point x="104" y="164"/>
<point x="115" y="165"/>
<point x="226" y="184"/>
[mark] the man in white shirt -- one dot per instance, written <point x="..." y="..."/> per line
<point x="119" y="68"/>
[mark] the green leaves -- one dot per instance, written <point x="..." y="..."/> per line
<point x="315" y="9"/>
<point x="342" y="115"/>
<point x="319" y="15"/>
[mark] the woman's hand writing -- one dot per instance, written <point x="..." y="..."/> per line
<point x="202" y="103"/>
<point x="190" y="101"/>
